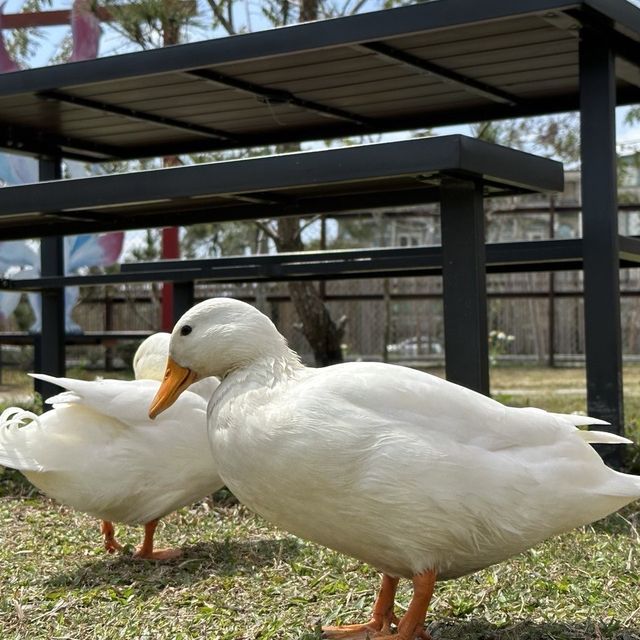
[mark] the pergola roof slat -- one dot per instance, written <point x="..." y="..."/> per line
<point x="134" y="114"/>
<point x="468" y="83"/>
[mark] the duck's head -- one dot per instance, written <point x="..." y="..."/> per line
<point x="213" y="338"/>
<point x="150" y="360"/>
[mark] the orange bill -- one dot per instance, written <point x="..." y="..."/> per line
<point x="176" y="380"/>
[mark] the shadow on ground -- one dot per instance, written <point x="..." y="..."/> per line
<point x="525" y="630"/>
<point x="201" y="561"/>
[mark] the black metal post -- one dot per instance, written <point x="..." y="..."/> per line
<point x="464" y="284"/>
<point x="183" y="298"/>
<point x="108" y="326"/>
<point x="50" y="344"/>
<point x="551" y="359"/>
<point x="603" y="344"/>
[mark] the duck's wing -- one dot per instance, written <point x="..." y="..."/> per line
<point x="123" y="400"/>
<point x="417" y="429"/>
<point x="415" y="401"/>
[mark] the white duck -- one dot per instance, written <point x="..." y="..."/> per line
<point x="150" y="362"/>
<point x="415" y="475"/>
<point x="98" y="452"/>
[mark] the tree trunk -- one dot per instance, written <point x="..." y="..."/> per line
<point x="322" y="333"/>
<point x="309" y="10"/>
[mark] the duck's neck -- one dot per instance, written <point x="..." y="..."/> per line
<point x="262" y="373"/>
<point x="268" y="369"/>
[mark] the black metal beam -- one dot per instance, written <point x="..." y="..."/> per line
<point x="465" y="82"/>
<point x="629" y="248"/>
<point x="86" y="338"/>
<point x="358" y="168"/>
<point x="278" y="96"/>
<point x="135" y="114"/>
<point x="603" y="340"/>
<point x="503" y="257"/>
<point x="464" y="290"/>
<point x="20" y="139"/>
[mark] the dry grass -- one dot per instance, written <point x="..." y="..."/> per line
<point x="241" y="578"/>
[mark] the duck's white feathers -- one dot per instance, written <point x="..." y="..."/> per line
<point x="405" y="470"/>
<point x="14" y="449"/>
<point x="99" y="452"/>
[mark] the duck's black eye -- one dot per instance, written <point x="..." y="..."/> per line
<point x="186" y="330"/>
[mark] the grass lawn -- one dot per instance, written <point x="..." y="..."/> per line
<point x="241" y="578"/>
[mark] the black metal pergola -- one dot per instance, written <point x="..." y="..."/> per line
<point x="436" y="63"/>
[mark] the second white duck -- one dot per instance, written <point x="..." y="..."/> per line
<point x="97" y="450"/>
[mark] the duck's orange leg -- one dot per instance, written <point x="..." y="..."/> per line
<point x="145" y="550"/>
<point x="110" y="542"/>
<point x="381" y="621"/>
<point x="411" y="624"/>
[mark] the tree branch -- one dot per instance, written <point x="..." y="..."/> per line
<point x="358" y="5"/>
<point x="268" y="229"/>
<point x="225" y="20"/>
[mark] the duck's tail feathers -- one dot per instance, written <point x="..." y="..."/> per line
<point x="624" y="485"/>
<point x="46" y="378"/>
<point x="59" y="398"/>
<point x="592" y="437"/>
<point x="13" y="451"/>
<point x="603" y="437"/>
<point x="66" y="397"/>
<point x="578" y="420"/>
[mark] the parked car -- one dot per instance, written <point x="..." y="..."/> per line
<point x="415" y="346"/>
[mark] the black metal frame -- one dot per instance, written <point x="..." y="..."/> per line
<point x="503" y="257"/>
<point x="608" y="29"/>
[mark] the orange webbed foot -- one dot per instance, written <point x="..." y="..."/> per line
<point x="380" y="623"/>
<point x="352" y="631"/>
<point x="146" y="552"/>
<point x="370" y="631"/>
<point x="409" y="627"/>
<point x="418" y="634"/>
<point x="159" y="554"/>
<point x="111" y="545"/>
